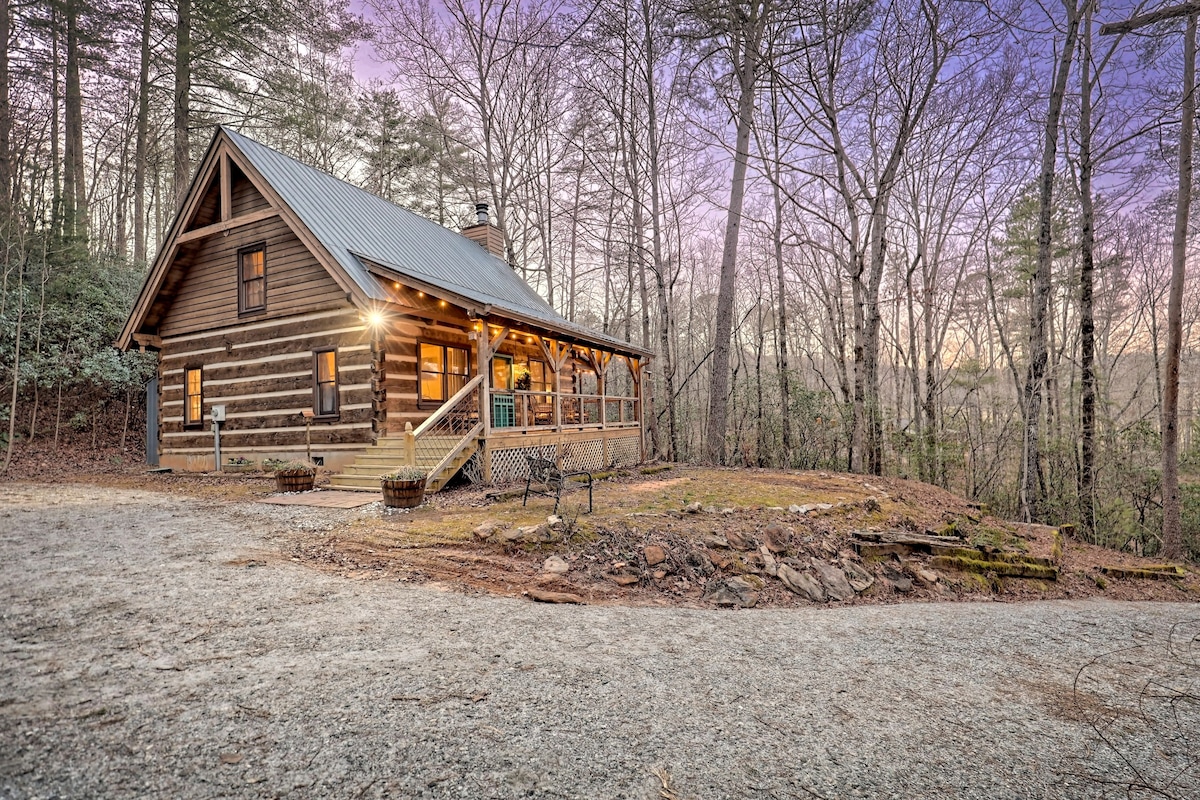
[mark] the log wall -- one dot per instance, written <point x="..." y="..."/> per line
<point x="262" y="372"/>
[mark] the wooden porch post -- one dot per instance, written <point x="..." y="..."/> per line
<point x="483" y="357"/>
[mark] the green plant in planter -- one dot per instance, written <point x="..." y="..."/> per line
<point x="272" y="464"/>
<point x="405" y="474"/>
<point x="239" y="461"/>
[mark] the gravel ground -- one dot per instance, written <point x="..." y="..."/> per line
<point x="152" y="646"/>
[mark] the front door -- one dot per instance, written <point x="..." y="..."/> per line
<point x="503" y="408"/>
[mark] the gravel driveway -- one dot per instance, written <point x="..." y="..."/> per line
<point x="152" y="646"/>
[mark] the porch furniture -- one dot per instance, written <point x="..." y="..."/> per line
<point x="550" y="479"/>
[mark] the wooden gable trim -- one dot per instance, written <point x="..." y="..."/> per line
<point x="221" y="154"/>
<point x="170" y="246"/>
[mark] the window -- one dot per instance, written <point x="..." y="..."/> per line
<point x="193" y="397"/>
<point x="444" y="370"/>
<point x="325" y="383"/>
<point x="252" y="276"/>
<point x="532" y="376"/>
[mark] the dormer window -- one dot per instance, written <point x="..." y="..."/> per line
<point x="252" y="279"/>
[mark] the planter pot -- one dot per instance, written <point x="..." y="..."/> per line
<point x="402" y="494"/>
<point x="293" y="482"/>
<point x="240" y="468"/>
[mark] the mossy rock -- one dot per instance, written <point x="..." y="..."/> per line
<point x="1153" y="572"/>
<point x="654" y="470"/>
<point x="1006" y="569"/>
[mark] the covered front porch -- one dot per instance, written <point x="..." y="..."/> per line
<point x="512" y="390"/>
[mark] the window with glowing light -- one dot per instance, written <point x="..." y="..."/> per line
<point x="325" y="383"/>
<point x="193" y="400"/>
<point x="444" y="370"/>
<point x="252" y="279"/>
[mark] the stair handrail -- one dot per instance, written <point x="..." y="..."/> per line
<point x="447" y="407"/>
<point x="454" y="452"/>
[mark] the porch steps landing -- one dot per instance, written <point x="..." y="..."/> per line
<point x="388" y="454"/>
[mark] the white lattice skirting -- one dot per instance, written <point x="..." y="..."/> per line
<point x="590" y="455"/>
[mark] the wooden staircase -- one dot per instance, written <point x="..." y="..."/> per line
<point x="388" y="454"/>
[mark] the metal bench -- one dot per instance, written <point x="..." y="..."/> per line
<point x="550" y="479"/>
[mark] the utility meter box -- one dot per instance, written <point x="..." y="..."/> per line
<point x="217" y="413"/>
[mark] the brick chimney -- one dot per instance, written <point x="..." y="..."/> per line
<point x="484" y="233"/>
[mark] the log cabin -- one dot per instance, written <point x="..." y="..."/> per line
<point x="300" y="315"/>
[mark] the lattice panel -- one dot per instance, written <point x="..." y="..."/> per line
<point x="510" y="465"/>
<point x="624" y="452"/>
<point x="587" y="455"/>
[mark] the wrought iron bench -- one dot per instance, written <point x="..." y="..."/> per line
<point x="550" y="479"/>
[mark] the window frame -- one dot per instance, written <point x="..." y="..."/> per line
<point x="188" y="422"/>
<point x="317" y="382"/>
<point x="243" y="308"/>
<point x="426" y="402"/>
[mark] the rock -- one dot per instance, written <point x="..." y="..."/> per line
<point x="488" y="528"/>
<point x="822" y="506"/>
<point x="659" y="574"/>
<point x="829" y="547"/>
<point x="554" y="521"/>
<point x="710" y="509"/>
<point x="654" y="554"/>
<point x="727" y="511"/>
<point x="623" y="579"/>
<point x="802" y="584"/>
<point x="530" y="534"/>
<point x="795" y="509"/>
<point x="774" y="508"/>
<point x="692" y="508"/>
<point x="860" y="580"/>
<point x="870" y="504"/>
<point x="926" y="576"/>
<point x="834" y="580"/>
<point x="770" y="566"/>
<point x="753" y="562"/>
<point x="739" y="542"/>
<point x="711" y="540"/>
<point x="721" y="559"/>
<point x="556" y="565"/>
<point x="775" y="537"/>
<point x="732" y="592"/>
<point x="699" y="561"/>
<point x="899" y="581"/>
<point x="543" y="596"/>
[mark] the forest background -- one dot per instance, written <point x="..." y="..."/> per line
<point x="934" y="240"/>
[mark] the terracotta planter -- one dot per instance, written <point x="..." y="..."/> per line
<point x="294" y="482"/>
<point x="402" y="494"/>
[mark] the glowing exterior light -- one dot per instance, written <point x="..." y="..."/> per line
<point x="441" y="303"/>
<point x="396" y="285"/>
<point x="374" y="318"/>
<point x="420" y="294"/>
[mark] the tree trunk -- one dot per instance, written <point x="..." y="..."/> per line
<point x="143" y="125"/>
<point x="183" y="91"/>
<point x="76" y="193"/>
<point x="1172" y="531"/>
<point x="6" y="165"/>
<point x="1035" y="376"/>
<point x="746" y="67"/>
<point x="1087" y="326"/>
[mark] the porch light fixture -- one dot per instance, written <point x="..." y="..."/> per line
<point x="375" y="318"/>
<point x="420" y="294"/>
<point x="441" y="303"/>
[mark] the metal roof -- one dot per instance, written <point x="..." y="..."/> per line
<point x="351" y="223"/>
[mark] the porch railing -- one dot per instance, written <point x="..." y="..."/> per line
<point x="526" y="410"/>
